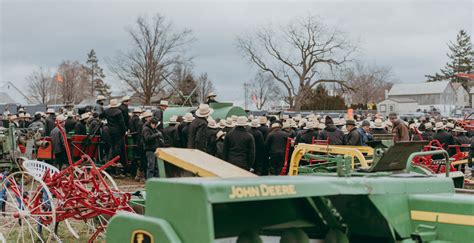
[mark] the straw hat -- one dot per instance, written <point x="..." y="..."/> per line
<point x="322" y="126"/>
<point x="146" y="114"/>
<point x="459" y="129"/>
<point x="50" y="111"/>
<point x="188" y="117"/>
<point x="241" y="121"/>
<point x="229" y="122"/>
<point x="263" y="120"/>
<point x="173" y="119"/>
<point x="428" y="125"/>
<point x="450" y="125"/>
<point x="286" y="125"/>
<point x="204" y="110"/>
<point x="275" y="124"/>
<point x="212" y="123"/>
<point x="234" y="118"/>
<point x="255" y="123"/>
<point x="100" y="97"/>
<point x="125" y="98"/>
<point x="309" y="125"/>
<point x="211" y="94"/>
<point x="27" y="115"/>
<point x="378" y="123"/>
<point x="85" y="116"/>
<point x="60" y="118"/>
<point x="439" y="126"/>
<point x="114" y="103"/>
<point x="222" y="124"/>
<point x="137" y="110"/>
<point x="21" y="115"/>
<point x="164" y="103"/>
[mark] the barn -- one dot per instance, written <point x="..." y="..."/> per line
<point x="397" y="105"/>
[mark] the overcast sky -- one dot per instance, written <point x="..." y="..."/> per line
<point x="409" y="36"/>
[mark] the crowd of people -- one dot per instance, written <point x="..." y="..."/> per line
<point x="257" y="144"/>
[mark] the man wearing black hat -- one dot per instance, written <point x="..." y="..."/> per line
<point x="331" y="133"/>
<point x="353" y="137"/>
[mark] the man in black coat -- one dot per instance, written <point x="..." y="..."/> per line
<point x="197" y="137"/>
<point x="117" y="129"/>
<point x="50" y="122"/>
<point x="170" y="133"/>
<point x="158" y="114"/>
<point x="445" y="138"/>
<point x="307" y="135"/>
<point x="80" y="127"/>
<point x="263" y="126"/>
<point x="152" y="139"/>
<point x="57" y="143"/>
<point x="70" y="122"/>
<point x="183" y="130"/>
<point x="124" y="108"/>
<point x="239" y="146"/>
<point x="260" y="153"/>
<point x="331" y="133"/>
<point x="275" y="145"/>
<point x="211" y="132"/>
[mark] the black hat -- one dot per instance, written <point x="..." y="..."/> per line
<point x="350" y="122"/>
<point x="154" y="120"/>
<point x="328" y="121"/>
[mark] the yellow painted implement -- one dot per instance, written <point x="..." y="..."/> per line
<point x="356" y="152"/>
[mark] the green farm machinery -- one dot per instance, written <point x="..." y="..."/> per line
<point x="394" y="204"/>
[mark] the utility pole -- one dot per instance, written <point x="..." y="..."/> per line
<point x="246" y="86"/>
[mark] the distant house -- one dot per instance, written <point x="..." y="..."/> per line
<point x="441" y="96"/>
<point x="462" y="96"/>
<point x="10" y="93"/>
<point x="397" y="105"/>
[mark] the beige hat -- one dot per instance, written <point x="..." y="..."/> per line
<point x="164" y="103"/>
<point x="204" y="110"/>
<point x="285" y="117"/>
<point x="255" y="123"/>
<point x="220" y="134"/>
<point x="212" y="123"/>
<point x="286" y="125"/>
<point x="85" y="116"/>
<point x="125" y="98"/>
<point x="173" y="119"/>
<point x="241" y="121"/>
<point x="137" y="110"/>
<point x="450" y="125"/>
<point x="50" y="111"/>
<point x="459" y="129"/>
<point x="234" y="118"/>
<point x="439" y="126"/>
<point x="27" y="115"/>
<point x="114" y="103"/>
<point x="322" y="126"/>
<point x="263" y="120"/>
<point x="21" y="115"/>
<point x="221" y="123"/>
<point x="275" y="124"/>
<point x="428" y="125"/>
<point x="100" y="97"/>
<point x="378" y="123"/>
<point x="146" y="114"/>
<point x="211" y="94"/>
<point x="60" y="118"/>
<point x="188" y="117"/>
<point x="229" y="122"/>
<point x="309" y="125"/>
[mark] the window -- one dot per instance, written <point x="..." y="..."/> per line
<point x="391" y="108"/>
<point x="383" y="108"/>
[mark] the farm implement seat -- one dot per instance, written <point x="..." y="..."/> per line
<point x="337" y="209"/>
<point x="198" y="163"/>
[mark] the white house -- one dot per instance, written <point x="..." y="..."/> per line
<point x="10" y="93"/>
<point x="397" y="105"/>
<point x="462" y="96"/>
<point x="439" y="95"/>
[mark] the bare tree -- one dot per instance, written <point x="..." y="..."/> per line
<point x="156" y="48"/>
<point x="299" y="56"/>
<point x="369" y="83"/>
<point x="263" y="89"/>
<point x="39" y="85"/>
<point x="205" y="86"/>
<point x="74" y="83"/>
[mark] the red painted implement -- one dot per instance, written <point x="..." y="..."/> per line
<point x="39" y="197"/>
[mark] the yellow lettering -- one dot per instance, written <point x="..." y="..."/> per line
<point x="291" y="189"/>
<point x="271" y="190"/>
<point x="278" y="190"/>
<point x="264" y="190"/>
<point x="255" y="191"/>
<point x="261" y="190"/>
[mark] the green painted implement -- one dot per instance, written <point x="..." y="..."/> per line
<point x="375" y="207"/>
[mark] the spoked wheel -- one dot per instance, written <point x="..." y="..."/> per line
<point x="28" y="210"/>
<point x="96" y="226"/>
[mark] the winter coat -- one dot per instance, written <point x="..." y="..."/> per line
<point x="57" y="141"/>
<point x="126" y="117"/>
<point x="80" y="129"/>
<point x="264" y="129"/>
<point x="306" y="136"/>
<point x="211" y="140"/>
<point x="152" y="138"/>
<point x="462" y="139"/>
<point x="23" y="124"/>
<point x="333" y="134"/>
<point x="400" y="132"/>
<point x="446" y="139"/>
<point x="352" y="138"/>
<point x="37" y="125"/>
<point x="170" y="134"/>
<point x="276" y="141"/>
<point x="427" y="135"/>
<point x="70" y="124"/>
<point x="159" y="115"/>
<point x="291" y="132"/>
<point x="183" y="131"/>
<point x="115" y="121"/>
<point x="259" y="144"/>
<point x="49" y="125"/>
<point x="219" y="148"/>
<point x="140" y="125"/>
<point x="134" y="124"/>
<point x="197" y="137"/>
<point x="94" y="125"/>
<point x="98" y="108"/>
<point x="239" y="148"/>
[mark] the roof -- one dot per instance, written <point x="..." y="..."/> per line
<point x="15" y="94"/>
<point x="5" y="98"/>
<point x="401" y="100"/>
<point x="419" y="88"/>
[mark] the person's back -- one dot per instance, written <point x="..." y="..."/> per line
<point x="446" y="139"/>
<point x="126" y="118"/>
<point x="306" y="136"/>
<point x="239" y="148"/>
<point x="115" y="121"/>
<point x="169" y="134"/>
<point x="197" y="137"/>
<point x="259" y="148"/>
<point x="276" y="141"/>
<point x="70" y="124"/>
<point x="211" y="140"/>
<point x="183" y="131"/>
<point x="49" y="125"/>
<point x="353" y="138"/>
<point x="400" y="131"/>
<point x="333" y="134"/>
<point x="80" y="129"/>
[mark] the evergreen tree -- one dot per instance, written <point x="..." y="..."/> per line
<point x="461" y="58"/>
<point x="319" y="99"/>
<point x="96" y="74"/>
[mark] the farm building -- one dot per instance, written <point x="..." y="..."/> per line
<point x="442" y="96"/>
<point x="397" y="105"/>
